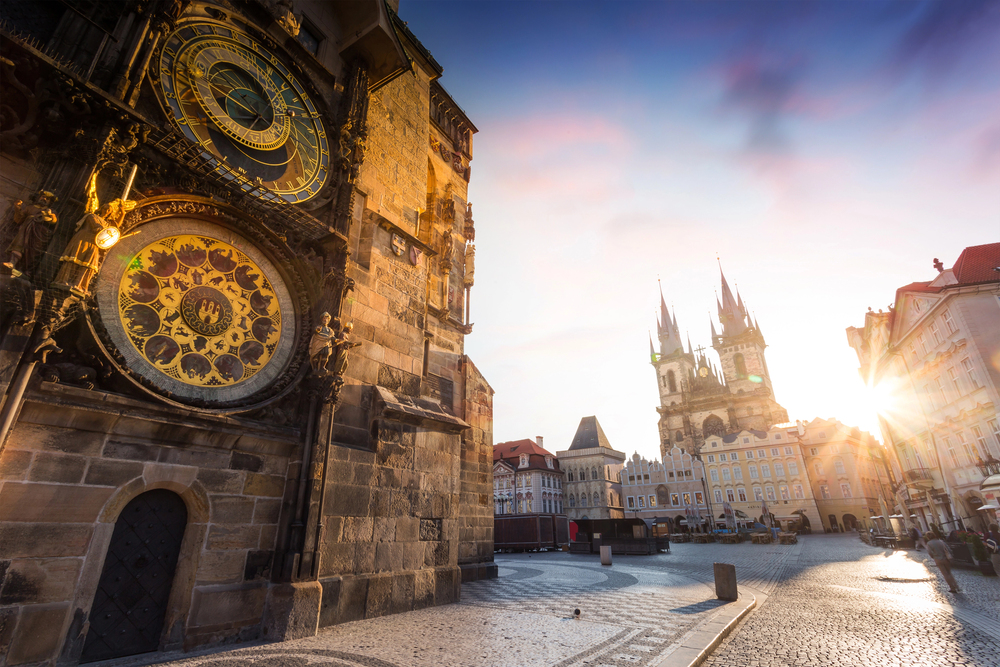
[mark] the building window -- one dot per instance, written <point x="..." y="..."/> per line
<point x="652" y="501"/>
<point x="723" y="457"/>
<point x="838" y="465"/>
<point x="920" y="344"/>
<point x="932" y="328"/>
<point x="951" y="452"/>
<point x="687" y="473"/>
<point x="593" y="473"/>
<point x="711" y="459"/>
<point x="753" y="471"/>
<point x="777" y="436"/>
<point x="774" y="451"/>
<point x="631" y="479"/>
<point x="735" y="456"/>
<point x="784" y="492"/>
<point x="524" y="461"/>
<point x="788" y="451"/>
<point x="686" y="498"/>
<point x="730" y="496"/>
<point x="953" y="376"/>
<point x="742" y="493"/>
<point x="845" y="490"/>
<point x="746" y="441"/>
<point x="770" y="493"/>
<point x="749" y="453"/>
<point x="642" y="502"/>
<point x="970" y="371"/>
<point x="569" y="476"/>
<point x="671" y="382"/>
<point x="309" y="37"/>
<point x="793" y="468"/>
<point x="572" y="500"/>
<point x="675" y="499"/>
<point x="798" y="491"/>
<point x="980" y="439"/>
<point x="737" y="472"/>
<point x="970" y="449"/>
<point x="718" y="496"/>
<point x="699" y="498"/>
<point x="548" y="461"/>
<point x="678" y="436"/>
<point x="741" y="365"/>
<point x="814" y="451"/>
<point x="725" y="474"/>
<point x="779" y="470"/>
<point x="949" y="324"/>
<point x="765" y="470"/>
<point x="714" y="474"/>
<point x="995" y="427"/>
<point x="819" y="468"/>
<point x="761" y="454"/>
<point x="824" y="492"/>
<point x="583" y="500"/>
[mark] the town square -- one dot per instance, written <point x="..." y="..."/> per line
<point x="500" y="333"/>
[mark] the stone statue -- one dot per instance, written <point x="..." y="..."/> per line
<point x="447" y="250"/>
<point x="470" y="265"/>
<point x="321" y="344"/>
<point x="284" y="12"/>
<point x="341" y="344"/>
<point x="36" y="223"/>
<point x="81" y="260"/>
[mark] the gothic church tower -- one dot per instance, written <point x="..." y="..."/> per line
<point x="697" y="399"/>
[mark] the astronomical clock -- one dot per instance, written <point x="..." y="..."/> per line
<point x="197" y="302"/>
<point x="251" y="116"/>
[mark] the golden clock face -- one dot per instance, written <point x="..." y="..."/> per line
<point x="199" y="310"/>
<point x="251" y="116"/>
<point x="703" y="372"/>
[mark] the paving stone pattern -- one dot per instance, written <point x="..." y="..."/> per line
<point x="842" y="602"/>
<point x="829" y="600"/>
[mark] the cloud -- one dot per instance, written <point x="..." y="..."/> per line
<point x="763" y="87"/>
<point x="943" y="34"/>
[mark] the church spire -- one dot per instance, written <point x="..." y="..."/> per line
<point x="652" y="350"/>
<point x="731" y="312"/>
<point x="668" y="331"/>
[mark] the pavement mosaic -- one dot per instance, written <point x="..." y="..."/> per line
<point x="829" y="600"/>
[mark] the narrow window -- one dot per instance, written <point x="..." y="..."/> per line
<point x="949" y="324"/>
<point x="671" y="382"/>
<point x="741" y="365"/>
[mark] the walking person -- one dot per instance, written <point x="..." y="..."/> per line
<point x="916" y="537"/>
<point x="993" y="546"/>
<point x="941" y="554"/>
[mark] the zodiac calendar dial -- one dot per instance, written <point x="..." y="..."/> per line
<point x="199" y="310"/>
<point x="247" y="111"/>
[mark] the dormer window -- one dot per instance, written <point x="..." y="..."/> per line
<point x="548" y="461"/>
<point x="524" y="461"/>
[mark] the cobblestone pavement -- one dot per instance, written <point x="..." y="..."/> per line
<point x="829" y="600"/>
<point x="841" y="602"/>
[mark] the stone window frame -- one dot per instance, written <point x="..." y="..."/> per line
<point x="741" y="493"/>
<point x="718" y="495"/>
<point x="769" y="492"/>
<point x="730" y="495"/>
<point x="758" y="493"/>
<point x="798" y="491"/>
<point x="675" y="499"/>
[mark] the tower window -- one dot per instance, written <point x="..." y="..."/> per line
<point x="671" y="381"/>
<point x="741" y="365"/>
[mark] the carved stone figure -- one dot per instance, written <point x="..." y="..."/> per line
<point x="341" y="344"/>
<point x="82" y="258"/>
<point x="36" y="223"/>
<point x="447" y="250"/>
<point x="284" y="12"/>
<point x="95" y="231"/>
<point x="470" y="265"/>
<point x="321" y="344"/>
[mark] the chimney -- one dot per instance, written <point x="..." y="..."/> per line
<point x="538" y="441"/>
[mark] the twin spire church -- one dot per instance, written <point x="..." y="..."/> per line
<point x="698" y="399"/>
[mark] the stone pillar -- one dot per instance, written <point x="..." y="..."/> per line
<point x="725" y="582"/>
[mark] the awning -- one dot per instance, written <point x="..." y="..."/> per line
<point x="991" y="483"/>
<point x="988" y="506"/>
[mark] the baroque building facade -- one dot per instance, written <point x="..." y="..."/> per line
<point x="932" y="361"/>
<point x="750" y="469"/>
<point x="527" y="479"/>
<point x="697" y="399"/>
<point x="238" y="255"/>
<point x="593" y="468"/>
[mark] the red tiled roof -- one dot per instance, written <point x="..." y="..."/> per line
<point x="515" y="448"/>
<point x="918" y="287"/>
<point x="977" y="264"/>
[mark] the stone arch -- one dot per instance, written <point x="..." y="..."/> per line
<point x="181" y="481"/>
<point x="713" y="425"/>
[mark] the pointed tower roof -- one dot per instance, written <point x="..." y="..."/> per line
<point x="668" y="333"/>
<point x="690" y="349"/>
<point x="589" y="435"/>
<point x="712" y="322"/>
<point x="652" y="350"/>
<point x="732" y="315"/>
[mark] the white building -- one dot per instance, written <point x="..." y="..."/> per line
<point x="527" y="479"/>
<point x="934" y="362"/>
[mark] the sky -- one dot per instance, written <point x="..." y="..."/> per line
<point x="824" y="152"/>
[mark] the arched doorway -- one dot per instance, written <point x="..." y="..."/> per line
<point x="131" y="600"/>
<point x="833" y="522"/>
<point x="850" y="522"/>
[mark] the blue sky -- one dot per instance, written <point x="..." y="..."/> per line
<point x="825" y="152"/>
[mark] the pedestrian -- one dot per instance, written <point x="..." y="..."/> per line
<point x="915" y="536"/>
<point x="941" y="554"/>
<point x="993" y="546"/>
